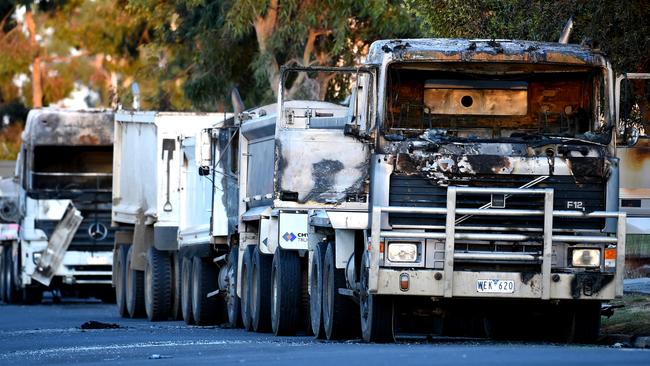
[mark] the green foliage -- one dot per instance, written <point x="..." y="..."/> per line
<point x="620" y="28"/>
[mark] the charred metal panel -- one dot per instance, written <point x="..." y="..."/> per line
<point x="57" y="246"/>
<point x="310" y="171"/>
<point x="464" y="50"/>
<point x="61" y="127"/>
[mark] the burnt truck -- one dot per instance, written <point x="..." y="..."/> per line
<point x="148" y="183"/>
<point x="465" y="184"/>
<point x="62" y="208"/>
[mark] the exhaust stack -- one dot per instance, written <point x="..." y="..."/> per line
<point x="566" y="32"/>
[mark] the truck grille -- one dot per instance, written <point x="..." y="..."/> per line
<point x="82" y="240"/>
<point x="417" y="191"/>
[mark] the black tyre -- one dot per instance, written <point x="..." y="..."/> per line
<point x="587" y="321"/>
<point x="246" y="283"/>
<point x="376" y="312"/>
<point x="316" y="291"/>
<point x="205" y="310"/>
<point x="186" y="290"/>
<point x="261" y="292"/>
<point x="176" y="310"/>
<point x="157" y="285"/>
<point x="11" y="273"/>
<point x="340" y="313"/>
<point x="286" y="291"/>
<point x="233" y="303"/>
<point x="3" y="273"/>
<point x="134" y="289"/>
<point x="32" y="295"/>
<point x="119" y="271"/>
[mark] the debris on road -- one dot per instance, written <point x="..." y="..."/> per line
<point x="93" y="324"/>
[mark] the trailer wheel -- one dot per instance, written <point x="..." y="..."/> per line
<point x="119" y="271"/>
<point x="3" y="273"/>
<point x="286" y="286"/>
<point x="186" y="290"/>
<point x="586" y="322"/>
<point x="261" y="291"/>
<point x="246" y="283"/>
<point x="134" y="289"/>
<point x="32" y="295"/>
<point x="339" y="313"/>
<point x="376" y="311"/>
<point x="206" y="310"/>
<point x="316" y="291"/>
<point x="232" y="300"/>
<point x="158" y="284"/>
<point x="176" y="311"/>
<point x="11" y="290"/>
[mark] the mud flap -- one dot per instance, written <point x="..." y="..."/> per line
<point x="57" y="245"/>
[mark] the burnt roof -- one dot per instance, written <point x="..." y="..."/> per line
<point x="467" y="50"/>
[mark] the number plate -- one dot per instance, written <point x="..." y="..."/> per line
<point x="495" y="286"/>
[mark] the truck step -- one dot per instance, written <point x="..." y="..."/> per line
<point x="213" y="293"/>
<point x="346" y="292"/>
<point x="221" y="258"/>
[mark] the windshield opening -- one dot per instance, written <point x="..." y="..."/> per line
<point x="493" y="101"/>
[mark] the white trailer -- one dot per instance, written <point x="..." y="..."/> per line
<point x="207" y="224"/>
<point x="147" y="186"/>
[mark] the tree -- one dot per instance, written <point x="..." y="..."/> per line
<point x="313" y="32"/>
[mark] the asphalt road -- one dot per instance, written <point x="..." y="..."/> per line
<point x="50" y="334"/>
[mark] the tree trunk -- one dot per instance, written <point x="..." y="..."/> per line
<point x="37" y="82"/>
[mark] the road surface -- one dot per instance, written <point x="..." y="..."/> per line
<point x="50" y="334"/>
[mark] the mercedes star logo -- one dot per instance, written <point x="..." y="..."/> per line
<point x="98" y="231"/>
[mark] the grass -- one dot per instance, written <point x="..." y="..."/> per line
<point x="633" y="319"/>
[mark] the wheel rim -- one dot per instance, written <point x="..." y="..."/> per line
<point x="328" y="291"/>
<point x="274" y="297"/>
<point x="147" y="288"/>
<point x="231" y="296"/>
<point x="244" y="292"/>
<point x="195" y="295"/>
<point x="254" y="288"/>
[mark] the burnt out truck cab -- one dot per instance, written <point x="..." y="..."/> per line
<point x="493" y="188"/>
<point x="64" y="173"/>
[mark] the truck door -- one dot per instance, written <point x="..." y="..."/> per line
<point x="633" y="150"/>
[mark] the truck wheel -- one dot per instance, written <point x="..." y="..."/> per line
<point x="32" y="295"/>
<point x="176" y="311"/>
<point x="376" y="312"/>
<point x="186" y="290"/>
<point x="119" y="271"/>
<point x="246" y="284"/>
<point x="134" y="289"/>
<point x="261" y="291"/>
<point x="339" y="313"/>
<point x="586" y="323"/>
<point x="286" y="286"/>
<point x="205" y="310"/>
<point x="11" y="273"/>
<point x="316" y="291"/>
<point x="157" y="284"/>
<point x="3" y="273"/>
<point x="232" y="300"/>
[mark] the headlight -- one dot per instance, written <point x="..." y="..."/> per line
<point x="402" y="252"/>
<point x="36" y="257"/>
<point x="585" y="258"/>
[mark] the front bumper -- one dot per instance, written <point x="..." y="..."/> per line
<point x="450" y="283"/>
<point x="77" y="268"/>
<point x="593" y="286"/>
